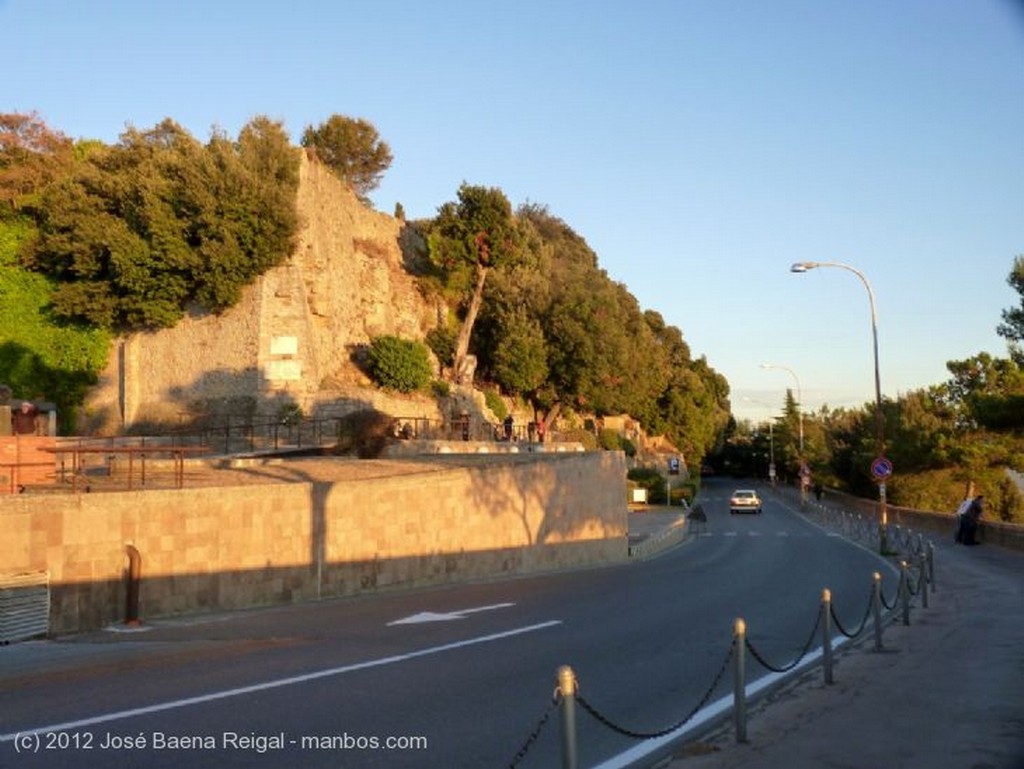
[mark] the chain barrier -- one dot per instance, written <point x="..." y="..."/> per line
<point x="863" y="622"/>
<point x="636" y="735"/>
<point x="895" y="598"/>
<point x="534" y="735"/>
<point x="785" y="669"/>
<point x="852" y="526"/>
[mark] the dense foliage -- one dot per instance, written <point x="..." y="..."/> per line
<point x="41" y="357"/>
<point x="554" y="329"/>
<point x="139" y="232"/>
<point x="399" y="364"/>
<point x="353" y="150"/>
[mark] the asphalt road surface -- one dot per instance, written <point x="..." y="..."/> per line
<point x="456" y="677"/>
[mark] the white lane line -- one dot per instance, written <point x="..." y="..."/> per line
<point x="211" y="697"/>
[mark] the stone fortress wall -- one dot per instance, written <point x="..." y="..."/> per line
<point x="291" y="338"/>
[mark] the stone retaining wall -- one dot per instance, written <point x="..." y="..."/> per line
<point x="223" y="547"/>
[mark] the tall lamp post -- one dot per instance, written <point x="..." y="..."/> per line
<point x="801" y="267"/>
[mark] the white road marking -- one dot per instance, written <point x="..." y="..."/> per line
<point x="430" y="616"/>
<point x="212" y="696"/>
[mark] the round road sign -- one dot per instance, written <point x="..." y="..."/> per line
<point x="881" y="468"/>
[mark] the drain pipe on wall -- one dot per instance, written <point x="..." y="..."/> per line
<point x="133" y="576"/>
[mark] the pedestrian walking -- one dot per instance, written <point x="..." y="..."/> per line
<point x="970" y="519"/>
<point x="960" y="512"/>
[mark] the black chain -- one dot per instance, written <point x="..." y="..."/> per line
<point x="534" y="736"/>
<point x="601" y="718"/>
<point x="881" y="594"/>
<point x="807" y="647"/>
<point x="863" y="622"/>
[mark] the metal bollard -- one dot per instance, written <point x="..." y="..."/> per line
<point x="740" y="681"/>
<point x="826" y="633"/>
<point x="931" y="565"/>
<point x="905" y="586"/>
<point x="923" y="580"/>
<point x="876" y="610"/>
<point x="567" y="701"/>
<point x="133" y="576"/>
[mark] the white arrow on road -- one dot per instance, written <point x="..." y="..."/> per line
<point x="431" y="616"/>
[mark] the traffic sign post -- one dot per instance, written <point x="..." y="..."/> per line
<point x="881" y="468"/>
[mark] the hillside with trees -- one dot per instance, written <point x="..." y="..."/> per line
<point x="102" y="243"/>
<point x="160" y="228"/>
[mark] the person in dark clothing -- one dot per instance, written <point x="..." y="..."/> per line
<point x="509" y="423"/>
<point x="969" y="521"/>
<point x="24" y="419"/>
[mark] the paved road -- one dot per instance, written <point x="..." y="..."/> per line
<point x="459" y="676"/>
<point x="945" y="692"/>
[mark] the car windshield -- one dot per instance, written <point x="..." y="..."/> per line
<point x="745" y="494"/>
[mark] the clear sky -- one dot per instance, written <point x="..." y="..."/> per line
<point x="699" y="146"/>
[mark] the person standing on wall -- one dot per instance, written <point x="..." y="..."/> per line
<point x="23" y="421"/>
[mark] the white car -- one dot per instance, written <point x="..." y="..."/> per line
<point x="744" y="501"/>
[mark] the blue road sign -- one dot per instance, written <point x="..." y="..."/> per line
<point x="881" y="468"/>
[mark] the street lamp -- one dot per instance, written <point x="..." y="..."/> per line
<point x="799" y="402"/>
<point x="801" y="267"/>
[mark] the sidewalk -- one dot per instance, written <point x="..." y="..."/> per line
<point x="946" y="692"/>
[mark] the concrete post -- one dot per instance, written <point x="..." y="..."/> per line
<point x="931" y="565"/>
<point x="923" y="580"/>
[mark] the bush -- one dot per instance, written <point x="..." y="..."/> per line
<point x="399" y="364"/>
<point x="652" y="480"/>
<point x="582" y="436"/>
<point x="441" y="341"/>
<point x="495" y="404"/>
<point x="611" y="440"/>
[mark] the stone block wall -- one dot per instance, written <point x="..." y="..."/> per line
<point x="26" y="460"/>
<point x="239" y="546"/>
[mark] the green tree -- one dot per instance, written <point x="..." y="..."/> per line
<point x="141" y="231"/>
<point x="32" y="155"/>
<point x="41" y="357"/>
<point x="352" y="149"/>
<point x="466" y="240"/>
<point x="1012" y="327"/>
<point x="519" y="358"/>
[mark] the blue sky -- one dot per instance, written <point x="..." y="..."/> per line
<point x="699" y="146"/>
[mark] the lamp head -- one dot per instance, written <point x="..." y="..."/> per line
<point x="802" y="266"/>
